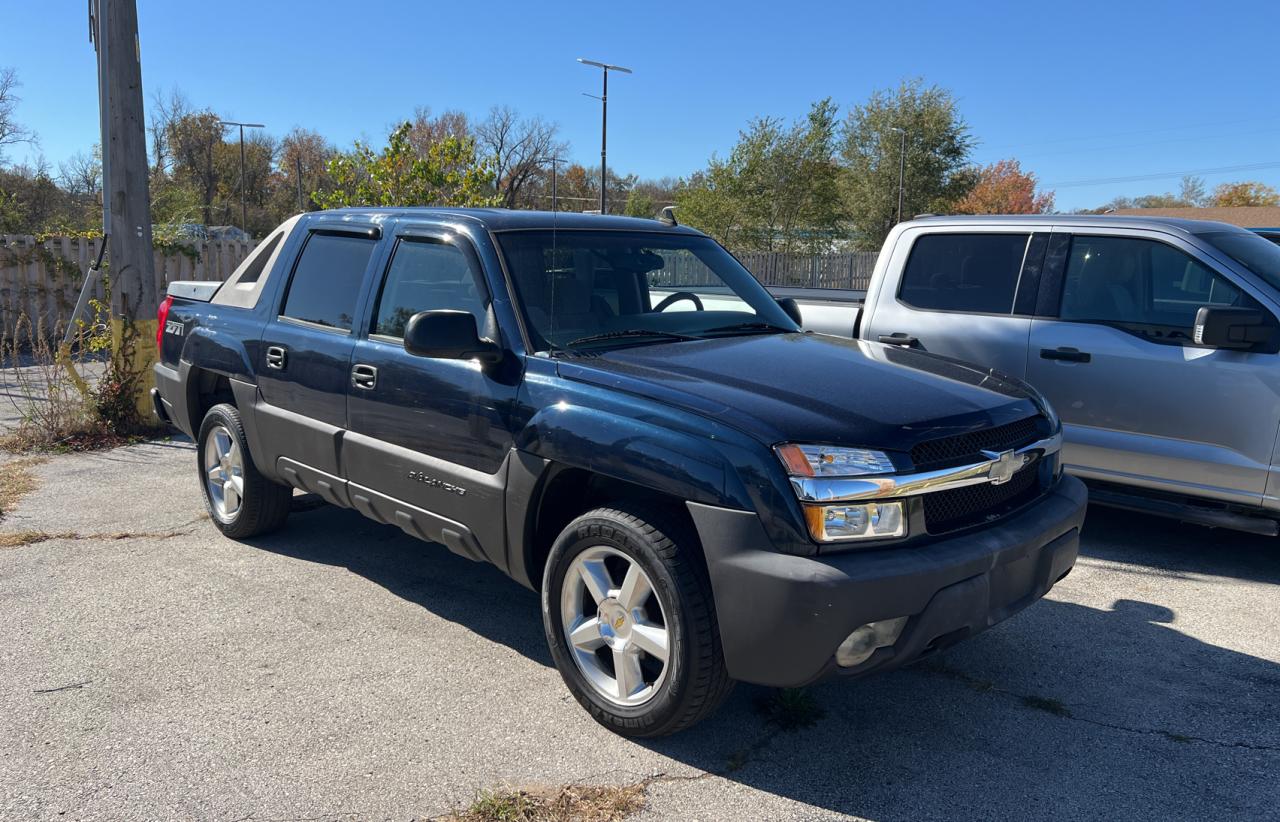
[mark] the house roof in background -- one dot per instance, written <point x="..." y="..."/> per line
<point x="1246" y="216"/>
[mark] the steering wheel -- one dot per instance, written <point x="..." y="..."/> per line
<point x="677" y="297"/>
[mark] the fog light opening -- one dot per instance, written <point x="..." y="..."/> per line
<point x="867" y="639"/>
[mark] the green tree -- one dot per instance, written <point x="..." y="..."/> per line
<point x="938" y="145"/>
<point x="448" y="173"/>
<point x="640" y="204"/>
<point x="777" y="191"/>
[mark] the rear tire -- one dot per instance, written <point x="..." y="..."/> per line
<point x="240" y="500"/>
<point x="631" y="585"/>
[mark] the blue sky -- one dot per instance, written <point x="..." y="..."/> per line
<point x="1080" y="91"/>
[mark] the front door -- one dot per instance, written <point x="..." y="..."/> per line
<point x="306" y="356"/>
<point x="429" y="437"/>
<point x="1139" y="401"/>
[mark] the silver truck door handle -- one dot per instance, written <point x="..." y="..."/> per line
<point x="364" y="376"/>
<point x="276" y="357"/>
<point x="898" y="338"/>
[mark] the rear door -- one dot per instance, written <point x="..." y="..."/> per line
<point x="965" y="292"/>
<point x="429" y="437"/>
<point x="306" y="356"/>
<point x="1140" y="402"/>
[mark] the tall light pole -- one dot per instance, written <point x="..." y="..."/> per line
<point x="902" y="166"/>
<point x="244" y="208"/>
<point x="605" y="68"/>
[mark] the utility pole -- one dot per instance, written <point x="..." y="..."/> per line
<point x="902" y="166"/>
<point x="125" y="191"/>
<point x="244" y="208"/>
<point x="298" y="176"/>
<point x="605" y="68"/>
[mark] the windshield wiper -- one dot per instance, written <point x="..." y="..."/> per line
<point x="630" y="332"/>
<point x="749" y="326"/>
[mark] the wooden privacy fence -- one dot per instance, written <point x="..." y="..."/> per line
<point x="42" y="280"/>
<point x="845" y="270"/>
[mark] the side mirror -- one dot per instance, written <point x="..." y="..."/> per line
<point x="789" y="305"/>
<point x="1230" y="327"/>
<point x="448" y="335"/>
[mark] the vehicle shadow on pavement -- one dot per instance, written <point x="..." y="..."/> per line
<point x="1066" y="710"/>
<point x="472" y="594"/>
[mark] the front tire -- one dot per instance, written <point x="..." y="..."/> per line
<point x="630" y="619"/>
<point x="240" y="500"/>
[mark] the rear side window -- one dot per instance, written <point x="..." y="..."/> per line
<point x="964" y="272"/>
<point x="426" y="275"/>
<point x="326" y="281"/>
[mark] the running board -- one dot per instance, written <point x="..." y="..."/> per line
<point x="1212" y="517"/>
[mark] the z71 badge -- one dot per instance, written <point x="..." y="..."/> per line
<point x="173" y="327"/>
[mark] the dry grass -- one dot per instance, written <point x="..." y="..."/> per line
<point x="16" y="481"/>
<point x="569" y="803"/>
<point x="17" y="539"/>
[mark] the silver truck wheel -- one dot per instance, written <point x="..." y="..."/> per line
<point x="240" y="500"/>
<point x="224" y="472"/>
<point x="615" y="626"/>
<point x="630" y="619"/>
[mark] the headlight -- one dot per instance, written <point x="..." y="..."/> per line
<point x="870" y="520"/>
<point x="832" y="461"/>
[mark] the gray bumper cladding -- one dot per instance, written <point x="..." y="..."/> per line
<point x="782" y="617"/>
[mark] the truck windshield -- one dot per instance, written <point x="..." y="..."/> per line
<point x="583" y="290"/>
<point x="1256" y="253"/>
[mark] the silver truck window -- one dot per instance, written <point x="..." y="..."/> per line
<point x="1145" y="286"/>
<point x="326" y="281"/>
<point x="426" y="275"/>
<point x="964" y="272"/>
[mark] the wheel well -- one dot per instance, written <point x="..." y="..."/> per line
<point x="572" y="492"/>
<point x="210" y="389"/>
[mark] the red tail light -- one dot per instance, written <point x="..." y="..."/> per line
<point x="162" y="316"/>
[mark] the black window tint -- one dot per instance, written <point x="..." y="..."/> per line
<point x="424" y="276"/>
<point x="964" y="272"/>
<point x="326" y="281"/>
<point x="1149" y="287"/>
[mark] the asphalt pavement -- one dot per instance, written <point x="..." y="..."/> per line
<point x="152" y="669"/>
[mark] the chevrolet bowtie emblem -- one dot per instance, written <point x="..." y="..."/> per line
<point x="1004" y="464"/>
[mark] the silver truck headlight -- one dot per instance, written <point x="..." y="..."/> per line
<point x="832" y="461"/>
<point x="851" y="521"/>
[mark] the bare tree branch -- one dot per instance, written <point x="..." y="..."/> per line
<point x="11" y="131"/>
<point x="521" y="150"/>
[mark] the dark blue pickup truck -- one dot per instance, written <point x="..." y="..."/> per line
<point x="615" y="413"/>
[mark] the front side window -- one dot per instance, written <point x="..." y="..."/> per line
<point x="964" y="272"/>
<point x="426" y="275"/>
<point x="1144" y="286"/>
<point x="1260" y="253"/>
<point x="588" y="289"/>
<point x="326" y="281"/>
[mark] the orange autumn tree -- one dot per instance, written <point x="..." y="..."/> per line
<point x="1004" y="188"/>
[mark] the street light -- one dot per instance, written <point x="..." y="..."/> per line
<point x="605" y="68"/>
<point x="902" y="165"/>
<point x="244" y="209"/>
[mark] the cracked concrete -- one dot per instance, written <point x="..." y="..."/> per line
<point x="339" y="670"/>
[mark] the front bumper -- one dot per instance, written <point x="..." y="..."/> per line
<point x="782" y="617"/>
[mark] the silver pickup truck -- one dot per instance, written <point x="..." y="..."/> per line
<point x="1155" y="339"/>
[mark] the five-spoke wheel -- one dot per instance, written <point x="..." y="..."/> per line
<point x="615" y="625"/>
<point x="224" y="472"/>
<point x="241" y="501"/>
<point x="629" y="617"/>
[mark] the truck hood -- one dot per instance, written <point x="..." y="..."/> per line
<point x="813" y="388"/>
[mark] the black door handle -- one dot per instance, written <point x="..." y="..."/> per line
<point x="276" y="357"/>
<point x="898" y="338"/>
<point x="1065" y="354"/>
<point x="364" y="376"/>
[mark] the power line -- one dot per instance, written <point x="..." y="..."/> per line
<point x="1163" y="175"/>
<point x="1079" y="139"/>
